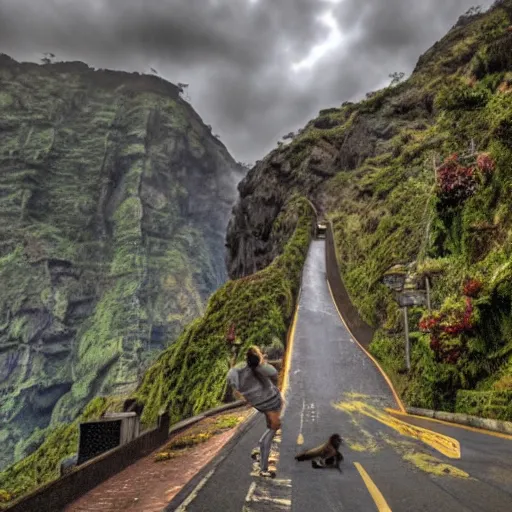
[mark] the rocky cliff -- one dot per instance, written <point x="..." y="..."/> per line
<point x="417" y="175"/>
<point x="114" y="201"/>
<point x="190" y="375"/>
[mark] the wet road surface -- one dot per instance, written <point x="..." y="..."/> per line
<point x="392" y="462"/>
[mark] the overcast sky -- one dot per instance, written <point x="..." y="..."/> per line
<point x="257" y="69"/>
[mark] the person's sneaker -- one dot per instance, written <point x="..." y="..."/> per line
<point x="267" y="473"/>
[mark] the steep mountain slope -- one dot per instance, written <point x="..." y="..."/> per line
<point x="114" y="200"/>
<point x="190" y="375"/>
<point x="384" y="172"/>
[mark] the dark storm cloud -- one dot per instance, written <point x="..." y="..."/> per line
<point x="237" y="55"/>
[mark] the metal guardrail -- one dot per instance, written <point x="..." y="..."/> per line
<point x="359" y="328"/>
<point x="56" y="495"/>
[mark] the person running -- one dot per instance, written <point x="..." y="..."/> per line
<point x="256" y="382"/>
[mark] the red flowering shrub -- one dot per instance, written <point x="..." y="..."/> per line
<point x="445" y="330"/>
<point x="485" y="163"/>
<point x="457" y="182"/>
<point x="430" y="323"/>
<point x="472" y="287"/>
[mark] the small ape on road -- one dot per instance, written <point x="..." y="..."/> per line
<point x="326" y="455"/>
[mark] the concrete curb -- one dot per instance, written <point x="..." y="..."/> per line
<point x="505" y="427"/>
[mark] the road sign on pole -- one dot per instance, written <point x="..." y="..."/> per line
<point x="411" y="298"/>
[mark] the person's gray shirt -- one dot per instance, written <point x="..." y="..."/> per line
<point x="242" y="378"/>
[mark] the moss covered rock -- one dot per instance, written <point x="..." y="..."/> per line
<point x="114" y="200"/>
<point x="190" y="375"/>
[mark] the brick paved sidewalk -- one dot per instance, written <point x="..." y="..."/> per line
<point x="148" y="486"/>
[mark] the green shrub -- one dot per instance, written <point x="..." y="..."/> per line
<point x="487" y="404"/>
<point x="386" y="213"/>
<point x="190" y="376"/>
<point x="461" y="96"/>
<point x="43" y="465"/>
<point x="499" y="55"/>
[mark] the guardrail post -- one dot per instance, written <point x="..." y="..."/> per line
<point x="164" y="422"/>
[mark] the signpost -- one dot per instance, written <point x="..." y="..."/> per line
<point x="406" y="300"/>
<point x="395" y="279"/>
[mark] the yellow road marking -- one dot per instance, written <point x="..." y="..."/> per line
<point x="289" y="349"/>
<point x="402" y="411"/>
<point x="386" y="378"/>
<point x="300" y="439"/>
<point x="502" y="435"/>
<point x="367" y="443"/>
<point x="379" y="500"/>
<point x="424" y="461"/>
<point x="446" y="445"/>
<point x="430" y="464"/>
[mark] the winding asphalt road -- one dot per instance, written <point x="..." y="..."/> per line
<point x="390" y="463"/>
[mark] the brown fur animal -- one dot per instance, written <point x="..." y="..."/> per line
<point x="326" y="455"/>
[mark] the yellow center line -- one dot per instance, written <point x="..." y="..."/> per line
<point x="379" y="500"/>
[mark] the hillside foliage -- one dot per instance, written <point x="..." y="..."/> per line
<point x="419" y="174"/>
<point x="190" y="376"/>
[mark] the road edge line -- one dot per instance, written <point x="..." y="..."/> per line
<point x="199" y="480"/>
<point x="204" y="474"/>
<point x="386" y="378"/>
<point x="376" y="495"/>
<point x="289" y="350"/>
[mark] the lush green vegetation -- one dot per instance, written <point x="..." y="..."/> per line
<point x="450" y="223"/>
<point x="190" y="376"/>
<point x="398" y="195"/>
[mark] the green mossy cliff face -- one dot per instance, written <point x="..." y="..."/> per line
<point x="190" y="375"/>
<point x="369" y="167"/>
<point x="114" y="200"/>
